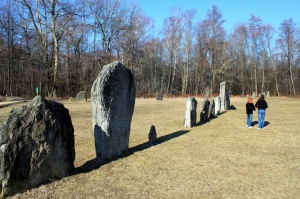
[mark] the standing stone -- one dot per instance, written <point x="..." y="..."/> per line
<point x="222" y="95"/>
<point x="190" y="112"/>
<point x="243" y="95"/>
<point x="207" y="95"/>
<point x="204" y="110"/>
<point x="36" y="145"/>
<point x="82" y="96"/>
<point x="217" y="105"/>
<point x="253" y="95"/>
<point x="71" y="99"/>
<point x="268" y="94"/>
<point x="152" y="135"/>
<point x="159" y="96"/>
<point x="112" y="99"/>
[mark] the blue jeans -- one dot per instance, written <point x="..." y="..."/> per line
<point x="249" y="119"/>
<point x="228" y="103"/>
<point x="261" y="118"/>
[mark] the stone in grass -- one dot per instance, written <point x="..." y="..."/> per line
<point x="36" y="144"/>
<point x="113" y="99"/>
<point x="152" y="135"/>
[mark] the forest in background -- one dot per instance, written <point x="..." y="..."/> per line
<point x="60" y="46"/>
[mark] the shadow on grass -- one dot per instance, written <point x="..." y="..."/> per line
<point x="265" y="124"/>
<point x="96" y="163"/>
<point x="212" y="117"/>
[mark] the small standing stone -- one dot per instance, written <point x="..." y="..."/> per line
<point x="152" y="135"/>
<point x="190" y="112"/>
<point x="71" y="99"/>
<point x="159" y="96"/>
<point x="268" y="94"/>
<point x="204" y="110"/>
<point x="82" y="96"/>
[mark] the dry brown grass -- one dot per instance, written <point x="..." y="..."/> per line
<point x="219" y="159"/>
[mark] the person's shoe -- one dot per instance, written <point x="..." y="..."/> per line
<point x="246" y="125"/>
<point x="250" y="127"/>
<point x="258" y="128"/>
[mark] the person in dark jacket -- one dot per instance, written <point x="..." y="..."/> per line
<point x="249" y="111"/>
<point x="227" y="96"/>
<point x="261" y="105"/>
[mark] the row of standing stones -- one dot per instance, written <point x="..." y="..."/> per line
<point x="37" y="140"/>
<point x="208" y="108"/>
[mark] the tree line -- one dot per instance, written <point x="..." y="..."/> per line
<point x="60" y="46"/>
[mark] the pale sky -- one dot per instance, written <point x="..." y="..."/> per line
<point x="233" y="11"/>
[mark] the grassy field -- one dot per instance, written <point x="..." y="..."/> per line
<point x="219" y="159"/>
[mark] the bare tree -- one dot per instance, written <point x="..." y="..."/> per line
<point x="11" y="52"/>
<point x="173" y="35"/>
<point x="109" y="21"/>
<point x="269" y="31"/>
<point x="132" y="40"/>
<point x="188" y="17"/>
<point x="239" y="44"/>
<point x="288" y="44"/>
<point x="201" y="67"/>
<point x="216" y="44"/>
<point x="254" y="29"/>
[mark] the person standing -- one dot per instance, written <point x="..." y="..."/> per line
<point x="227" y="96"/>
<point x="249" y="111"/>
<point x="261" y="105"/>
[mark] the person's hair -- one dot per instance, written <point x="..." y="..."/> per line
<point x="262" y="97"/>
<point x="250" y="100"/>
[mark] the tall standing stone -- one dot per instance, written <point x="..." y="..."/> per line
<point x="190" y="112"/>
<point x="207" y="95"/>
<point x="217" y="103"/>
<point x="113" y="99"/>
<point x="36" y="145"/>
<point x="268" y="94"/>
<point x="222" y="96"/>
<point x="253" y="95"/>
